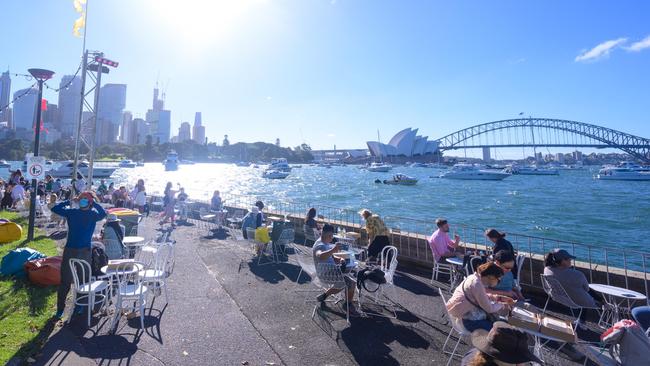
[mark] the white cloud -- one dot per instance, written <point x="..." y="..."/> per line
<point x="600" y="51"/>
<point x="639" y="45"/>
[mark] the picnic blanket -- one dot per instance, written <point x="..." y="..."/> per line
<point x="12" y="263"/>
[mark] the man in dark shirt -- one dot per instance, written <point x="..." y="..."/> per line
<point x="81" y="225"/>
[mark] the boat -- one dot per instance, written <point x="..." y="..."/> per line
<point x="324" y="165"/>
<point x="402" y="180"/>
<point x="297" y="166"/>
<point x="274" y="174"/>
<point x="474" y="172"/>
<point x="126" y="164"/>
<point x="379" y="168"/>
<point x="140" y="163"/>
<point x="66" y="168"/>
<point x="418" y="165"/>
<point x="4" y="164"/>
<point x="171" y="162"/>
<point x="533" y="170"/>
<point x="242" y="164"/>
<point x="624" y="171"/>
<point x="186" y="162"/>
<point x="279" y="164"/>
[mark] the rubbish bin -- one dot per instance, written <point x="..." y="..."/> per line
<point x="130" y="218"/>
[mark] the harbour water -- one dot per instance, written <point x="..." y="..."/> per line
<point x="571" y="206"/>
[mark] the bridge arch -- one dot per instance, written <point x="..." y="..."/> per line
<point x="591" y="136"/>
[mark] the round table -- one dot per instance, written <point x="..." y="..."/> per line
<point x="132" y="240"/>
<point x="614" y="297"/>
<point x="457" y="275"/>
<point x="135" y="268"/>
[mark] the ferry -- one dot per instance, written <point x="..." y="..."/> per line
<point x="279" y="164"/>
<point x="66" y="168"/>
<point x="474" y="172"/>
<point x="126" y="164"/>
<point x="624" y="171"/>
<point x="379" y="168"/>
<point x="274" y="174"/>
<point x="402" y="180"/>
<point x="171" y="162"/>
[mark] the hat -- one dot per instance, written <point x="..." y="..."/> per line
<point x="504" y="343"/>
<point x="112" y="218"/>
<point x="561" y="254"/>
<point x="255" y="209"/>
<point x="88" y="196"/>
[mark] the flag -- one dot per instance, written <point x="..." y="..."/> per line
<point x="81" y="21"/>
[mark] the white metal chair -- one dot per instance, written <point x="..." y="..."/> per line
<point x="555" y="291"/>
<point x="388" y="264"/>
<point x="287" y="236"/>
<point x="330" y="276"/>
<point x="130" y="291"/>
<point x="305" y="260"/>
<point x="208" y="218"/>
<point x="310" y="234"/>
<point x="440" y="268"/>
<point x="456" y="327"/>
<point x="87" y="291"/>
<point x="156" y="275"/>
<point x="519" y="261"/>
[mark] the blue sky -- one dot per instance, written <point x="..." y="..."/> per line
<point x="331" y="72"/>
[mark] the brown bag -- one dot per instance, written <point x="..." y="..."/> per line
<point x="45" y="271"/>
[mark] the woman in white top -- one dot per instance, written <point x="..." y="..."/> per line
<point x="139" y="196"/>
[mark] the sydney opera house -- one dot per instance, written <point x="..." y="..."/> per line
<point x="405" y="143"/>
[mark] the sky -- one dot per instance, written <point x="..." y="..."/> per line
<point x="334" y="72"/>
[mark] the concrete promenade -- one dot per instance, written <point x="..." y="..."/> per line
<point x="224" y="309"/>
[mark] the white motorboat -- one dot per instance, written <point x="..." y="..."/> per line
<point x="171" y="162"/>
<point x="474" y="172"/>
<point x="402" y="180"/>
<point x="140" y="163"/>
<point x="274" y="174"/>
<point x="66" y="169"/>
<point x="126" y="163"/>
<point x="242" y="164"/>
<point x="418" y="165"/>
<point x="279" y="164"/>
<point x="624" y="171"/>
<point x="186" y="162"/>
<point x="4" y="164"/>
<point x="379" y="168"/>
<point x="534" y="170"/>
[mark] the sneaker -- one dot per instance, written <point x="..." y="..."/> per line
<point x="58" y="314"/>
<point x="322" y="297"/>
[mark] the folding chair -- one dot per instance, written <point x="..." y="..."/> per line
<point x="456" y="327"/>
<point x="330" y="276"/>
<point x="388" y="264"/>
<point x="310" y="234"/>
<point x="555" y="291"/>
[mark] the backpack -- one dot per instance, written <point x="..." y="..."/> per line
<point x="629" y="344"/>
<point x="99" y="259"/>
<point x="373" y="274"/>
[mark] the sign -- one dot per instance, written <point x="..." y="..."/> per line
<point x="36" y="167"/>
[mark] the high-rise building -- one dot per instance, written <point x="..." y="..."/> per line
<point x="5" y="92"/>
<point x="69" y="105"/>
<point x="138" y="131"/>
<point x="577" y="155"/>
<point x="486" y="154"/>
<point x="184" y="132"/>
<point x="24" y="108"/>
<point x="51" y="116"/>
<point x="559" y="157"/>
<point x="163" y="127"/>
<point x="127" y="117"/>
<point x="112" y="100"/>
<point x="159" y="119"/>
<point x="198" y="131"/>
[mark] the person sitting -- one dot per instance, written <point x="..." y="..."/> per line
<point x="216" y="203"/>
<point x="80" y="183"/>
<point x="120" y="197"/>
<point x="108" y="197"/>
<point x="641" y="315"/>
<point x="7" y="200"/>
<point x="102" y="189"/>
<point x="251" y="220"/>
<point x="377" y="234"/>
<point x="470" y="303"/>
<point x="441" y="245"/>
<point x="17" y="194"/>
<point x="113" y="236"/>
<point x="323" y="253"/>
<point x="261" y="219"/>
<point x="502" y="345"/>
<point x="506" y="286"/>
<point x="57" y="186"/>
<point x="557" y="263"/>
<point x="500" y="243"/>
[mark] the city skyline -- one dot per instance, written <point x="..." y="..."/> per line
<point x="345" y="75"/>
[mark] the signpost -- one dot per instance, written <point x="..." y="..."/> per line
<point x="36" y="167"/>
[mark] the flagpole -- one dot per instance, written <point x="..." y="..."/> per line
<point x="84" y="60"/>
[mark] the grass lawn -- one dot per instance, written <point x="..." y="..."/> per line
<point x="25" y="310"/>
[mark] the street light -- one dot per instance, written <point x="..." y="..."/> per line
<point x="40" y="75"/>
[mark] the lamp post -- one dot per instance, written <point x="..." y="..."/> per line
<point x="40" y="75"/>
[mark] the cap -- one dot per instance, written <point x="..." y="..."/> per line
<point x="561" y="254"/>
<point x="505" y="343"/>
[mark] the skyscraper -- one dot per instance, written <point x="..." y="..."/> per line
<point x="127" y="117"/>
<point x="112" y="100"/>
<point x="159" y="119"/>
<point x="69" y="103"/>
<point x="184" y="132"/>
<point x="198" y="131"/>
<point x="5" y="91"/>
<point x="24" y="108"/>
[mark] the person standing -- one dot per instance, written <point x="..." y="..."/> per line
<point x="377" y="234"/>
<point x="139" y="196"/>
<point x="169" y="201"/>
<point x="441" y="245"/>
<point x="81" y="225"/>
<point x="216" y="203"/>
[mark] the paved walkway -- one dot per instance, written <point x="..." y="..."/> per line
<point x="226" y="310"/>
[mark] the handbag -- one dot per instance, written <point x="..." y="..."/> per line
<point x="373" y="274"/>
<point x="477" y="313"/>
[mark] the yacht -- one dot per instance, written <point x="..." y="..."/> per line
<point x="242" y="164"/>
<point x="279" y="164"/>
<point x="66" y="169"/>
<point x="126" y="163"/>
<point x="534" y="170"/>
<point x="402" y="180"/>
<point x="274" y="174"/>
<point x="171" y="162"/>
<point x="4" y="164"/>
<point x="474" y="172"/>
<point x="624" y="171"/>
<point x="379" y="167"/>
<point x="417" y="165"/>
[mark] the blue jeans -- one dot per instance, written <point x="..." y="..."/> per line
<point x="472" y="325"/>
<point x="642" y="316"/>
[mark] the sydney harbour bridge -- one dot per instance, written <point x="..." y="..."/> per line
<point x="545" y="132"/>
